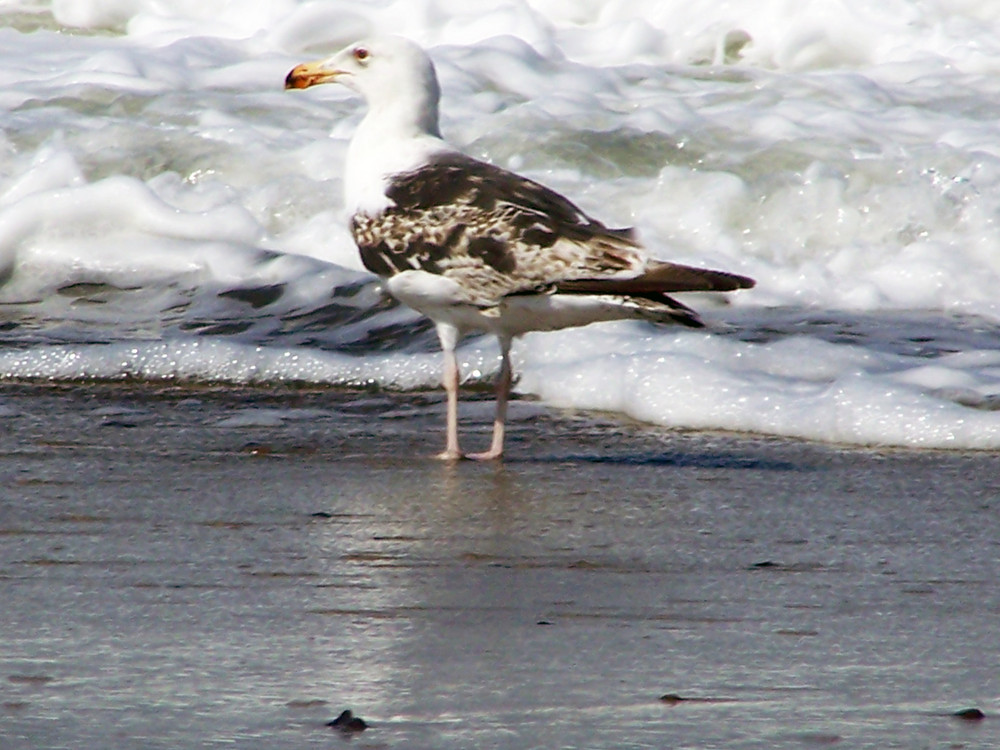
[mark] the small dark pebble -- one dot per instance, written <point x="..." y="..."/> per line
<point x="969" y="714"/>
<point x="348" y="723"/>
<point x="672" y="698"/>
<point x="257" y="449"/>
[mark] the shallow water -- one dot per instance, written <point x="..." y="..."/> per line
<point x="207" y="567"/>
<point x="168" y="212"/>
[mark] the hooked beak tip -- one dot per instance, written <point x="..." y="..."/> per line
<point x="308" y="74"/>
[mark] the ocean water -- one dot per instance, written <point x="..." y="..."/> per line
<point x="167" y="211"/>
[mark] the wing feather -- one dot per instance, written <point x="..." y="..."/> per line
<point x="661" y="277"/>
<point x="493" y="231"/>
<point x="499" y="234"/>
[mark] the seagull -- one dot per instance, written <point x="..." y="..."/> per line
<point x="475" y="247"/>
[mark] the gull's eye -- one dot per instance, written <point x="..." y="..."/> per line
<point x="361" y="54"/>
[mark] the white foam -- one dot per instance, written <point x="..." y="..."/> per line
<point x="799" y="387"/>
<point x="213" y="360"/>
<point x="845" y="155"/>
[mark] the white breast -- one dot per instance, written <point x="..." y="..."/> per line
<point x="375" y="154"/>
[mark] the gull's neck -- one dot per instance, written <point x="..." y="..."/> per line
<point x="398" y="134"/>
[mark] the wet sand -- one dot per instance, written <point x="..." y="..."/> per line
<point x="234" y="567"/>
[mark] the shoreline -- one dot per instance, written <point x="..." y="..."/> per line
<point x="473" y="399"/>
<point x="197" y="569"/>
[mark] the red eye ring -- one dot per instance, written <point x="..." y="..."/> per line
<point x="361" y="54"/>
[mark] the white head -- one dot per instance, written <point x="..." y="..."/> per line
<point x="393" y="75"/>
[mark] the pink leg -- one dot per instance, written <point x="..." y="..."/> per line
<point x="503" y="396"/>
<point x="449" y="338"/>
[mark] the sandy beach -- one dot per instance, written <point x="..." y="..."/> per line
<point x="215" y="567"/>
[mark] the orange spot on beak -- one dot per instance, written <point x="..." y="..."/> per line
<point x="309" y="74"/>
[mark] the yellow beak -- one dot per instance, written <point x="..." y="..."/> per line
<point x="309" y="74"/>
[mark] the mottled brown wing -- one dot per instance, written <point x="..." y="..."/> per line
<point x="494" y="232"/>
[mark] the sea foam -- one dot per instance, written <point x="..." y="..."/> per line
<point x="168" y="211"/>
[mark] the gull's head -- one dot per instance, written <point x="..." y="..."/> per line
<point x="389" y="72"/>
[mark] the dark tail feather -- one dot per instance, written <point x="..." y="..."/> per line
<point x="650" y="291"/>
<point x="676" y="312"/>
<point x="660" y="278"/>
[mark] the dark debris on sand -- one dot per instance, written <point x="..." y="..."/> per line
<point x="348" y="723"/>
